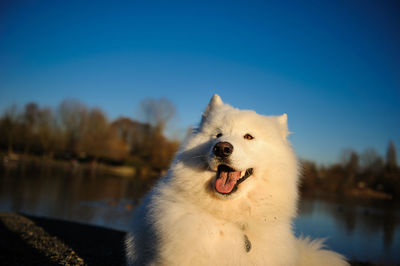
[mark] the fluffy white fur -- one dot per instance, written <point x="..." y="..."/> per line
<point x="184" y="221"/>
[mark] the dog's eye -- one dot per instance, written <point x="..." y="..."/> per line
<point x="248" y="136"/>
<point x="219" y="135"/>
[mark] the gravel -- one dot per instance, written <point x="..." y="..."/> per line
<point x="28" y="240"/>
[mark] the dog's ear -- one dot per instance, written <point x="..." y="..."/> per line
<point x="282" y="120"/>
<point x="214" y="102"/>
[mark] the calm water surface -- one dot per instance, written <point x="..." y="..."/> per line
<point x="361" y="230"/>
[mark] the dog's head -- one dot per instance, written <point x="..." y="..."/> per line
<point x="242" y="144"/>
<point x="239" y="154"/>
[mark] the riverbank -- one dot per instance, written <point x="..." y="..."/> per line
<point x="91" y="167"/>
<point x="29" y="240"/>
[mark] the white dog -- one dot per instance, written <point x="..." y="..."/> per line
<point x="229" y="198"/>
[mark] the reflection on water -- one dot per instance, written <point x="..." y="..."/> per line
<point x="69" y="192"/>
<point x="366" y="230"/>
<point x="363" y="230"/>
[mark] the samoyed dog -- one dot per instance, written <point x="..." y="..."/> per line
<point x="229" y="198"/>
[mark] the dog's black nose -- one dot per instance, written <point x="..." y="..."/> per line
<point x="223" y="149"/>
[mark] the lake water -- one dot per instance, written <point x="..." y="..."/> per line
<point x="363" y="230"/>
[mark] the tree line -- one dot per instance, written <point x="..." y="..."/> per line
<point x="355" y="172"/>
<point x="74" y="131"/>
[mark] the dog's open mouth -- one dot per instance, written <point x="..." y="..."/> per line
<point x="228" y="179"/>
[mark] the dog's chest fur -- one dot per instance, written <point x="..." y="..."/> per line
<point x="204" y="239"/>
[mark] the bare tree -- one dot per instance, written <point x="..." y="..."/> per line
<point x="47" y="131"/>
<point x="391" y="156"/>
<point x="309" y="175"/>
<point x="9" y="124"/>
<point x="157" y="112"/>
<point x="72" y="116"/>
<point x="350" y="165"/>
<point x="95" y="137"/>
<point x="29" y="123"/>
<point x="368" y="157"/>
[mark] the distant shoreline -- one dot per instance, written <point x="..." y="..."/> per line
<point x="126" y="171"/>
<point x="355" y="194"/>
<point x="368" y="193"/>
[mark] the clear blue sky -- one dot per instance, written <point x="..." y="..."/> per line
<point x="332" y="66"/>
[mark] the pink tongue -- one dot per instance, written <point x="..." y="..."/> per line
<point x="226" y="181"/>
